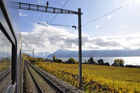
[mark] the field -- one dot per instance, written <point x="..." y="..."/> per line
<point x="4" y="65"/>
<point x="96" y="78"/>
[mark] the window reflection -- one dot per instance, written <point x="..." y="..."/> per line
<point x="5" y="62"/>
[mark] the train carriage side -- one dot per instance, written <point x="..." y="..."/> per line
<point x="10" y="53"/>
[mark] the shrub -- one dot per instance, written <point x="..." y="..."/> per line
<point x="48" y="60"/>
<point x="118" y="62"/>
<point x="91" y="61"/>
<point x="71" y="61"/>
<point x="59" y="60"/>
<point x="85" y="62"/>
<point x="107" y="64"/>
<point x="40" y="59"/>
<point x="100" y="62"/>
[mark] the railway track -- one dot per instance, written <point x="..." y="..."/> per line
<point x="4" y="80"/>
<point x="29" y="85"/>
<point x="41" y="82"/>
<point x="4" y="74"/>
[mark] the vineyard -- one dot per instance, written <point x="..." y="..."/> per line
<point x="4" y="65"/>
<point x="96" y="78"/>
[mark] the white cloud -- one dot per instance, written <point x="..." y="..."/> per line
<point x="108" y="17"/>
<point x="49" y="39"/>
<point x="22" y="14"/>
<point x="130" y="3"/>
<point x="40" y="1"/>
<point x="97" y="26"/>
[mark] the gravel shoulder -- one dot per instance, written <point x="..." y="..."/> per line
<point x="5" y="81"/>
<point x="61" y="84"/>
<point x="29" y="86"/>
<point x="43" y="84"/>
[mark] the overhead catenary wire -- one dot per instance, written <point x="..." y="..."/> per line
<point x="72" y="26"/>
<point x="108" y="13"/>
<point x="64" y="25"/>
<point x="56" y="14"/>
<point x="102" y="16"/>
<point x="61" y="25"/>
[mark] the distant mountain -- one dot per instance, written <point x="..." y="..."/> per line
<point x="96" y="53"/>
<point x="4" y="54"/>
<point x="39" y="54"/>
<point x="63" y="53"/>
<point x="42" y="54"/>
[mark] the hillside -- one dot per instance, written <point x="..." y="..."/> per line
<point x="96" y="53"/>
<point x="96" y="78"/>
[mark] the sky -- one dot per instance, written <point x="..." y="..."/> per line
<point x="118" y="30"/>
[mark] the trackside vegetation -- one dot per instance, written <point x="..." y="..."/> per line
<point x="97" y="78"/>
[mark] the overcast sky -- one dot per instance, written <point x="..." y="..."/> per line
<point x="119" y="30"/>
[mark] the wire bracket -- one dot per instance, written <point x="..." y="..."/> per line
<point x="47" y="9"/>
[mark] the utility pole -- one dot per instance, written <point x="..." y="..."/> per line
<point x="80" y="47"/>
<point x="47" y="9"/>
<point x="33" y="53"/>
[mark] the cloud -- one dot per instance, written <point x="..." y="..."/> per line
<point x="40" y="1"/>
<point x="22" y="14"/>
<point x="101" y="42"/>
<point x="108" y="17"/>
<point x="97" y="26"/>
<point x="4" y="43"/>
<point x="49" y="39"/>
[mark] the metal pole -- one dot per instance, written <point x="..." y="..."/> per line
<point x="33" y="53"/>
<point x="80" y="47"/>
<point x="14" y="63"/>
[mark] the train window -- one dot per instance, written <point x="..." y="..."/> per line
<point x="5" y="62"/>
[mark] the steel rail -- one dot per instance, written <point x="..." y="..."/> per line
<point x="59" y="90"/>
<point x="4" y="74"/>
<point x="35" y="82"/>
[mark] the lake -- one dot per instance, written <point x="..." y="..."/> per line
<point x="110" y="60"/>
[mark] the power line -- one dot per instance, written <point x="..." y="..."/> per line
<point x="65" y="3"/>
<point x="61" y="25"/>
<point x="102" y="16"/>
<point x="56" y="14"/>
<point x="107" y="13"/>
<point x="73" y="26"/>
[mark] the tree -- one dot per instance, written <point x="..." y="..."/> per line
<point x="31" y="59"/>
<point x="71" y="61"/>
<point x="40" y="59"/>
<point x="91" y="61"/>
<point x="59" y="60"/>
<point x="118" y="62"/>
<point x="54" y="58"/>
<point x="85" y="62"/>
<point x="107" y="64"/>
<point x="48" y="60"/>
<point x="100" y="62"/>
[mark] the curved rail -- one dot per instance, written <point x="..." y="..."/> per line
<point x="4" y="74"/>
<point x="58" y="90"/>
<point x="35" y="82"/>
